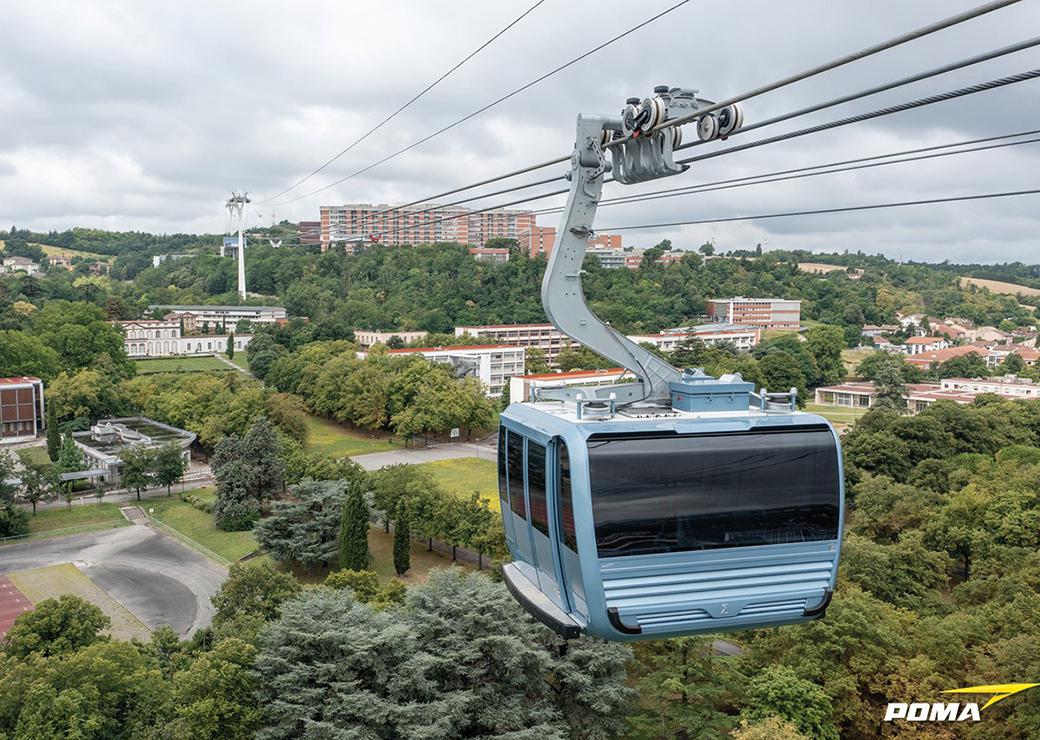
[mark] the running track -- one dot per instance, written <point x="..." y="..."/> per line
<point x="12" y="604"/>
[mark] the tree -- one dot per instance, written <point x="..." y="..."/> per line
<point x="70" y="459"/>
<point x="137" y="468"/>
<point x="367" y="588"/>
<point x="213" y="697"/>
<point x="402" y="540"/>
<point x="7" y="490"/>
<point x="169" y="465"/>
<point x="87" y="394"/>
<point x="229" y="348"/>
<point x="252" y="595"/>
<point x="889" y="388"/>
<point x="22" y="353"/>
<point x="778" y="691"/>
<point x="53" y="434"/>
<point x="826" y="344"/>
<point x="56" y="627"/>
<point x="707" y="249"/>
<point x="781" y="373"/>
<point x="303" y="530"/>
<point x="1013" y="364"/>
<point x="353" y="532"/>
<point x="460" y="646"/>
<point x="34" y="485"/>
<point x="534" y="360"/>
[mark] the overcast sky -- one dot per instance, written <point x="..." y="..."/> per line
<point x="130" y="115"/>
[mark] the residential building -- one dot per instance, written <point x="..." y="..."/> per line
<point x="367" y="337"/>
<point x="21" y="409"/>
<point x="492" y="364"/>
<point x="63" y="261"/>
<point x="920" y="396"/>
<point x="927" y="359"/>
<point x="611" y="259"/>
<point x="163" y="338"/>
<point x="741" y="337"/>
<point x="485" y="254"/>
<point x="105" y="441"/>
<point x="917" y="345"/>
<point x="768" y="313"/>
<point x="545" y="337"/>
<point x="522" y="386"/>
<point x="99" y="267"/>
<point x="420" y="224"/>
<point x="1011" y="386"/>
<point x="17" y="263"/>
<point x="310" y="232"/>
<point x="158" y="259"/>
<point x="227" y="316"/>
<point x="541" y="240"/>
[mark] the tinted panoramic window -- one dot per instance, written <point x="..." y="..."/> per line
<point x="516" y="474"/>
<point x="536" y="487"/>
<point x="570" y="539"/>
<point x="502" y="493"/>
<point x="699" y="492"/>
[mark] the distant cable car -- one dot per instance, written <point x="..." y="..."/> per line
<point x="674" y="505"/>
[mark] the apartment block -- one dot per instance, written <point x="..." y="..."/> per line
<point x="768" y="313"/>
<point x="545" y="337"/>
<point x="542" y="239"/>
<point x="742" y="337"/>
<point x="224" y="315"/>
<point x="419" y="224"/>
<point x="367" y="337"/>
<point x="521" y="387"/>
<point x="486" y="254"/>
<point x="143" y="339"/>
<point x="21" y="409"/>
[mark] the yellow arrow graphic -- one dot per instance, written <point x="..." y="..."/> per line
<point x="1000" y="691"/>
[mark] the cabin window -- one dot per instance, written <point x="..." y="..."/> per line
<point x="659" y="494"/>
<point x="570" y="539"/>
<point x="516" y="474"/>
<point x="503" y="493"/>
<point x="536" y="487"/>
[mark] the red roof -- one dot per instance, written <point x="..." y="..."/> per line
<point x="941" y="355"/>
<point x="574" y="374"/>
<point x="449" y="348"/>
<point x="507" y="326"/>
<point x="20" y="380"/>
<point x="924" y="340"/>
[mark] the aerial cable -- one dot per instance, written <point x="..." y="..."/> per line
<point x="819" y="211"/>
<point x="944" y="69"/>
<point x="960" y="92"/>
<point x="803" y="172"/>
<point x="502" y="99"/>
<point x="904" y="38"/>
<point x="406" y="105"/>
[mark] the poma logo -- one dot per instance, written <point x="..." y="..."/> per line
<point x="955" y="711"/>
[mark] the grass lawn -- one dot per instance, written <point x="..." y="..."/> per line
<point x="331" y="439"/>
<point x="34" y="455"/>
<point x="52" y="251"/>
<point x="104" y="516"/>
<point x="198" y="527"/>
<point x="836" y="414"/>
<point x="56" y="580"/>
<point x="462" y="476"/>
<point x="241" y="360"/>
<point x="180" y="365"/>
<point x="381" y="545"/>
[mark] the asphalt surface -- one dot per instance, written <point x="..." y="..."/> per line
<point x="419" y="455"/>
<point x="158" y="579"/>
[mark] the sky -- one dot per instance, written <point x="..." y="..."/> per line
<point x="127" y="115"/>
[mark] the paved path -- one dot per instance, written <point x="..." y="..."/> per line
<point x="229" y="363"/>
<point x="121" y="495"/>
<point x="419" y="455"/>
<point x="157" y="578"/>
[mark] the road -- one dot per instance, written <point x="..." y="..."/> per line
<point x="419" y="455"/>
<point x="154" y="576"/>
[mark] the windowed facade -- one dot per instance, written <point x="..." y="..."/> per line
<point x="660" y="494"/>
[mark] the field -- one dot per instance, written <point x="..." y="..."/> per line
<point x="180" y="365"/>
<point x="819" y="267"/>
<point x="198" y="527"/>
<point x="242" y="360"/>
<point x="34" y="455"/>
<point x="332" y="440"/>
<point x="55" y="580"/>
<point x="85" y="516"/>
<point x="381" y="545"/>
<point x="836" y="414"/>
<point x="853" y="357"/>
<point x="996" y="286"/>
<point x="461" y="476"/>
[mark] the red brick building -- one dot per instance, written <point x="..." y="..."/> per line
<point x="542" y="239"/>
<point x="21" y="409"/>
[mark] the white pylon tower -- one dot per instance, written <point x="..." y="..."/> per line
<point x="236" y="206"/>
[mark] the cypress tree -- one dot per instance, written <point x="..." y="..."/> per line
<point x="353" y="531"/>
<point x="402" y="540"/>
<point x="230" y="349"/>
<point x="53" y="434"/>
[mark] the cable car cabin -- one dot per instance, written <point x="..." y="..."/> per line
<point x="722" y="512"/>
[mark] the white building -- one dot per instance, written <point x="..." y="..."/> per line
<point x="609" y="259"/>
<point x="917" y="345"/>
<point x="492" y="364"/>
<point x="20" y="264"/>
<point x="742" y="337"/>
<point x="102" y="445"/>
<point x="545" y="337"/>
<point x="1011" y="386"/>
<point x="521" y="386"/>
<point x="769" y="313"/>
<point x="163" y="338"/>
<point x="368" y="337"/>
<point x="227" y="315"/>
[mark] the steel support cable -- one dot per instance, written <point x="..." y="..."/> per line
<point x="944" y="69"/>
<point x="842" y="209"/>
<point x="920" y="102"/>
<point x="502" y="99"/>
<point x="406" y="105"/>
<point x="899" y="108"/>
<point x="800" y="172"/>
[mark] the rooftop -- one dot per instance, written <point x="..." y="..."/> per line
<point x="20" y="380"/>
<point x="176" y="307"/>
<point x="451" y="348"/>
<point x="109" y="437"/>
